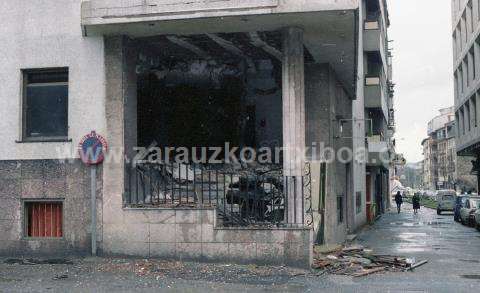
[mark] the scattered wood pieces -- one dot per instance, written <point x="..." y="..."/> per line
<point x="358" y="261"/>
<point x="369" y="272"/>
<point x="418" y="264"/>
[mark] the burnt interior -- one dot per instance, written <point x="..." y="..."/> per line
<point x="203" y="91"/>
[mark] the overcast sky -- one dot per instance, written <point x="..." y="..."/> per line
<point x="422" y="68"/>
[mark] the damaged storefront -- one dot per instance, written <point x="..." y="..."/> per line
<point x="216" y="121"/>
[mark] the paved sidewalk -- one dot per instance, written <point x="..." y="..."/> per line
<point x="453" y="252"/>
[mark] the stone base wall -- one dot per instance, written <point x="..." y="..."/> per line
<point x="191" y="234"/>
<point x="69" y="182"/>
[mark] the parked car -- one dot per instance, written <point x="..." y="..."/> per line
<point x="460" y="201"/>
<point x="477" y="219"/>
<point x="445" y="201"/>
<point x="467" y="213"/>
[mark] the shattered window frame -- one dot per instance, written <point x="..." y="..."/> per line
<point x="340" y="206"/>
<point x="358" y="202"/>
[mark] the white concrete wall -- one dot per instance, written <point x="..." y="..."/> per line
<point x="358" y="116"/>
<point x="47" y="33"/>
<point x="129" y="11"/>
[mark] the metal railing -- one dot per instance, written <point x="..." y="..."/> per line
<point x="241" y="197"/>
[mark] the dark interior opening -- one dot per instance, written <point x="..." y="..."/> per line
<point x="189" y="115"/>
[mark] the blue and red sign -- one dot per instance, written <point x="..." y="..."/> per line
<point x="92" y="148"/>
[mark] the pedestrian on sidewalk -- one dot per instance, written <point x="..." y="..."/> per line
<point x="399" y="201"/>
<point x="416" y="203"/>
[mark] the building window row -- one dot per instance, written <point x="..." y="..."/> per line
<point x="467" y="116"/>
<point x="468" y="70"/>
<point x="469" y="20"/>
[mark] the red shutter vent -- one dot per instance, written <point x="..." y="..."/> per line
<point x="44" y="219"/>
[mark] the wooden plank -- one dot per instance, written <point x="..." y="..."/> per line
<point x="418" y="264"/>
<point x="369" y="272"/>
<point x="184" y="44"/>
<point x="259" y="43"/>
<point x="230" y="47"/>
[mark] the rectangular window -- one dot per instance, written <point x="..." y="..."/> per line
<point x="473" y="102"/>
<point x="468" y="124"/>
<point x="340" y="208"/>
<point x="457" y="122"/>
<point x="358" y="202"/>
<point x="470" y="16"/>
<point x="44" y="219"/>
<point x="472" y="64"/>
<point x="455" y="85"/>
<point x="466" y="73"/>
<point x="455" y="53"/>
<point x="460" y="71"/>
<point x="45" y="104"/>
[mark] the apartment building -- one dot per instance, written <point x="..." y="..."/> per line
<point x="466" y="60"/>
<point x="442" y="169"/>
<point x="154" y="74"/>
<point x="438" y="150"/>
<point x="379" y="107"/>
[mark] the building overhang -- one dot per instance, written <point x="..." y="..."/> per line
<point x="330" y="26"/>
<point x="469" y="149"/>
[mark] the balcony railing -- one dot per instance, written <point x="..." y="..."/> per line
<point x="242" y="198"/>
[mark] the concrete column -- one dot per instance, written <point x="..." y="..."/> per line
<point x="121" y="124"/>
<point x="294" y="120"/>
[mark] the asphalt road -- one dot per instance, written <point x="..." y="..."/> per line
<point x="453" y="252"/>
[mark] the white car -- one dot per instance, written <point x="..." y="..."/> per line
<point x="445" y="201"/>
<point x="467" y="212"/>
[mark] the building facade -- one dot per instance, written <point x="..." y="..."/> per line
<point x="150" y="75"/>
<point x="379" y="108"/>
<point x="466" y="59"/>
<point x="442" y="169"/>
<point x="439" y="164"/>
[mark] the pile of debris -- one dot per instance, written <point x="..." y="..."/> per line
<point x="357" y="261"/>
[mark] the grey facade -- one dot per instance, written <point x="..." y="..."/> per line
<point x="303" y="73"/>
<point x="379" y="106"/>
<point x="46" y="180"/>
<point x="466" y="15"/>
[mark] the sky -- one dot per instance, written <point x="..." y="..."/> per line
<point x="422" y="68"/>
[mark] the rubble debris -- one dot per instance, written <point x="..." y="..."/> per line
<point x="60" y="277"/>
<point x="357" y="261"/>
<point x="31" y="261"/>
<point x="418" y="264"/>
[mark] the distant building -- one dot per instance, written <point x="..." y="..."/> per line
<point x="441" y="168"/>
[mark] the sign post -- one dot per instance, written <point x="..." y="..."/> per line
<point x="92" y="148"/>
<point x="93" y="205"/>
